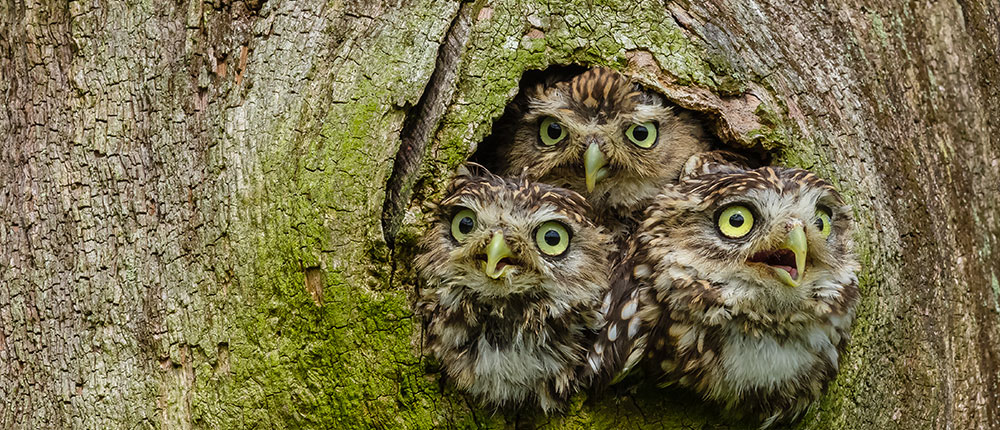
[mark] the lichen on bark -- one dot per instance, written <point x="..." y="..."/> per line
<point x="193" y="193"/>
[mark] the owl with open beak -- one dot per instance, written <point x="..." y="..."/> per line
<point x="514" y="272"/>
<point x="741" y="286"/>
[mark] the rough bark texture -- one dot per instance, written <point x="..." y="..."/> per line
<point x="193" y="213"/>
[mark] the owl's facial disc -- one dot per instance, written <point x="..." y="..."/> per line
<point x="594" y="165"/>
<point x="788" y="261"/>
<point x="498" y="257"/>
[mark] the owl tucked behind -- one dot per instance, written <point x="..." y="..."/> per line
<point x="603" y="136"/>
<point x="741" y="286"/>
<point x="515" y="272"/>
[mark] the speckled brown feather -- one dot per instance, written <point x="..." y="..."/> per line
<point x="478" y="183"/>
<point x="520" y="339"/>
<point x="706" y="318"/>
<point x="598" y="106"/>
<point x="601" y="94"/>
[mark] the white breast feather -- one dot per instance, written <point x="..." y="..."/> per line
<point x="762" y="362"/>
<point x="512" y="372"/>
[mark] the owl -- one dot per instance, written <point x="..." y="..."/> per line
<point x="739" y="285"/>
<point x="514" y="274"/>
<point x="603" y="136"/>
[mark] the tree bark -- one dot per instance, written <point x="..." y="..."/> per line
<point x="209" y="209"/>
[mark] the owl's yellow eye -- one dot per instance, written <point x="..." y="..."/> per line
<point x="552" y="238"/>
<point x="551" y="131"/>
<point x="823" y="222"/>
<point x="735" y="221"/>
<point x="642" y="135"/>
<point x="463" y="223"/>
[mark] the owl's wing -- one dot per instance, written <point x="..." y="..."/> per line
<point x="684" y="336"/>
<point x="622" y="341"/>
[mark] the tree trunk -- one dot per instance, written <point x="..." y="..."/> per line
<point x="208" y="210"/>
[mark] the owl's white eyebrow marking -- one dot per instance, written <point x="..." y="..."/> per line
<point x="648" y="112"/>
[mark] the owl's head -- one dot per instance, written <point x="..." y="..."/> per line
<point x="604" y="136"/>
<point x="769" y="238"/>
<point x="497" y="237"/>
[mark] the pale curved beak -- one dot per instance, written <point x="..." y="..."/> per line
<point x="795" y="242"/>
<point x="496" y="251"/>
<point x="594" y="164"/>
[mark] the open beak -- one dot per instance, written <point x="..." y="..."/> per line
<point x="497" y="252"/>
<point x="594" y="164"/>
<point x="788" y="261"/>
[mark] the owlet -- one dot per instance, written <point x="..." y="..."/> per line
<point x="740" y="285"/>
<point x="604" y="136"/>
<point x="515" y="273"/>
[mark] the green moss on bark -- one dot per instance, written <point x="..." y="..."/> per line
<point x="350" y="358"/>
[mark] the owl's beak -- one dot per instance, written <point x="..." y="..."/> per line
<point x="795" y="242"/>
<point x="791" y="252"/>
<point x="593" y="165"/>
<point x="497" y="250"/>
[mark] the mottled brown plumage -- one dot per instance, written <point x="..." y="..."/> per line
<point x="507" y="307"/>
<point x="740" y="285"/>
<point x="582" y="134"/>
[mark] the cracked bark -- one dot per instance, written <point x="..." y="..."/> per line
<point x="419" y="128"/>
<point x="193" y="196"/>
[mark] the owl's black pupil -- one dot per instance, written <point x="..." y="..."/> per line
<point x="819" y="223"/>
<point x="554" y="130"/>
<point x="640" y="132"/>
<point x="552" y="237"/>
<point x="465" y="225"/>
<point x="736" y="220"/>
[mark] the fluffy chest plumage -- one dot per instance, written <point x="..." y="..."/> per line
<point x="497" y="337"/>
<point x="518" y="363"/>
<point x="519" y="342"/>
<point x="506" y="357"/>
<point x="752" y="361"/>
